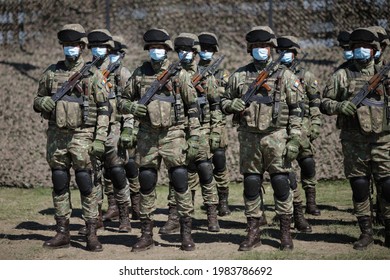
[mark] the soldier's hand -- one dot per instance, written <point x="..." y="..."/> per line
<point x="136" y="109"/>
<point x="97" y="148"/>
<point x="346" y="108"/>
<point x="128" y="139"/>
<point x="291" y="150"/>
<point x="237" y="105"/>
<point x="215" y="141"/>
<point x="193" y="147"/>
<point x="315" y="130"/>
<point x="47" y="104"/>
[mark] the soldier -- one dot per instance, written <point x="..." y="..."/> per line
<point x="73" y="132"/>
<point x="218" y="139"/>
<point x="200" y="169"/>
<point x="161" y="128"/>
<point x="364" y="133"/>
<point x="311" y="127"/>
<point x="269" y="133"/>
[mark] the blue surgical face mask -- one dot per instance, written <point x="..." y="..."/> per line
<point x="287" y="58"/>
<point x="99" y="52"/>
<point x="377" y="54"/>
<point x="362" y="54"/>
<point x="206" y="55"/>
<point x="157" y="54"/>
<point x="260" y="54"/>
<point x="113" y="57"/>
<point x="188" y="58"/>
<point x="348" y="55"/>
<point x="72" y="52"/>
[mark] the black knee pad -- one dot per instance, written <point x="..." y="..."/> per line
<point x="281" y="186"/>
<point x="118" y="177"/>
<point x="219" y="160"/>
<point x="84" y="181"/>
<point x="179" y="178"/>
<point x="252" y="185"/>
<point x="205" y="172"/>
<point x="60" y="179"/>
<point x="293" y="180"/>
<point x="147" y="180"/>
<point x="384" y="183"/>
<point x="131" y="169"/>
<point x="308" y="167"/>
<point x="360" y="188"/>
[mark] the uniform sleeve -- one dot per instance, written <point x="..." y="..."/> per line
<point x="44" y="87"/>
<point x="100" y="91"/>
<point x="232" y="91"/>
<point x="128" y="119"/>
<point x="294" y="99"/>
<point x="214" y="100"/>
<point x="188" y="94"/>
<point x="130" y="92"/>
<point x="314" y="96"/>
<point x="334" y="92"/>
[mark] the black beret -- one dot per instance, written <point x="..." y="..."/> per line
<point x="206" y="39"/>
<point x="70" y="36"/>
<point x="363" y="35"/>
<point x="155" y="35"/>
<point x="185" y="42"/>
<point x="343" y="37"/>
<point x="382" y="37"/>
<point x="98" y="37"/>
<point x="285" y="43"/>
<point x="256" y="36"/>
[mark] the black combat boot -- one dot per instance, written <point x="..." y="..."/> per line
<point x="263" y="220"/>
<point x="223" y="206"/>
<point x="124" y="221"/>
<point x="387" y="233"/>
<point x="112" y="211"/>
<point x="252" y="239"/>
<point x="145" y="242"/>
<point x="212" y="218"/>
<point x="366" y="237"/>
<point x="83" y="230"/>
<point x="93" y="243"/>
<point x="311" y="205"/>
<point x="62" y="238"/>
<point x="135" y="202"/>
<point x="172" y="225"/>
<point x="187" y="244"/>
<point x="286" y="242"/>
<point x="300" y="223"/>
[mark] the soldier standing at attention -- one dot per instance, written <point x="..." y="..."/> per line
<point x="162" y="135"/>
<point x="365" y="128"/>
<point x="269" y="133"/>
<point x="74" y="131"/>
<point x="200" y="169"/>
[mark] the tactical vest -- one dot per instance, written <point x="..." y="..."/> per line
<point x="166" y="108"/>
<point x="205" y="102"/>
<point x="268" y="110"/>
<point x="370" y="119"/>
<point x="75" y="109"/>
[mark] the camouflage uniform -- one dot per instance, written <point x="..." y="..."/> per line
<point x="72" y="132"/>
<point x="364" y="134"/>
<point x="200" y="170"/>
<point x="161" y="129"/>
<point x="269" y="133"/>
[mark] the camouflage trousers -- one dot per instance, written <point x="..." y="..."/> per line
<point x="306" y="150"/>
<point x="66" y="149"/>
<point x="222" y="176"/>
<point x="169" y="146"/>
<point x="364" y="158"/>
<point x="260" y="153"/>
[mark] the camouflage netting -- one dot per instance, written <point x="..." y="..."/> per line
<point x="28" y="44"/>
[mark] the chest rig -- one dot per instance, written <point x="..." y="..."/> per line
<point x="373" y="112"/>
<point x="77" y="108"/>
<point x="166" y="108"/>
<point x="267" y="109"/>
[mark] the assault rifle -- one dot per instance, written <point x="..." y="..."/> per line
<point x="296" y="62"/>
<point x="73" y="81"/>
<point x="113" y="66"/>
<point x="371" y="86"/>
<point x="161" y="81"/>
<point x="211" y="69"/>
<point x="249" y="95"/>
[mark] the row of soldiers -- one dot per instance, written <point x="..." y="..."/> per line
<point x="102" y="128"/>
